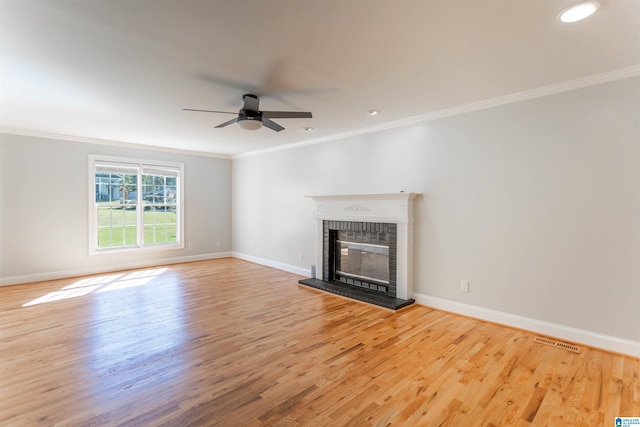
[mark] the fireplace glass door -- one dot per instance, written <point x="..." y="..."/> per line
<point x="365" y="261"/>
<point x="361" y="258"/>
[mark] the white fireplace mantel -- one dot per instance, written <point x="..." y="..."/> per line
<point x="396" y="208"/>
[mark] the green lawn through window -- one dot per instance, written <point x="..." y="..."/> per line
<point x="117" y="226"/>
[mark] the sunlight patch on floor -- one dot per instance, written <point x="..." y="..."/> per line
<point x="99" y="284"/>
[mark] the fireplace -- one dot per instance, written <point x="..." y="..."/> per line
<point x="364" y="247"/>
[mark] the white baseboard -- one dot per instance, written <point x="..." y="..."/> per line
<point x="99" y="269"/>
<point x="267" y="262"/>
<point x="578" y="336"/>
<point x="581" y="336"/>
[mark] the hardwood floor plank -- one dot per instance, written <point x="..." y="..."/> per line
<point x="227" y="342"/>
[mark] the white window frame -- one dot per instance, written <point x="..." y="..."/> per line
<point x="140" y="246"/>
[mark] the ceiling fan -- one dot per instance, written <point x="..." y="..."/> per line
<point x="251" y="118"/>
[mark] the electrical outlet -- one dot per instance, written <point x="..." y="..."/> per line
<point x="77" y="257"/>
<point x="464" y="286"/>
<point x="301" y="256"/>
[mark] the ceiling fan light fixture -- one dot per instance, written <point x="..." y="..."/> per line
<point x="250" y="117"/>
<point x="579" y="11"/>
<point x="250" y="124"/>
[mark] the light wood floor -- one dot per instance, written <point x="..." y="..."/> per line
<point x="230" y="343"/>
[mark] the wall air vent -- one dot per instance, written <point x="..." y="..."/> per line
<point x="558" y="344"/>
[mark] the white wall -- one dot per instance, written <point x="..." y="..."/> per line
<point x="44" y="209"/>
<point x="536" y="203"/>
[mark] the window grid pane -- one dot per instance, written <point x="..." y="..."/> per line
<point x="159" y="219"/>
<point x="116" y="226"/>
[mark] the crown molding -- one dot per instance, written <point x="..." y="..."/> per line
<point x="596" y="79"/>
<point x="97" y="141"/>
<point x="567" y="86"/>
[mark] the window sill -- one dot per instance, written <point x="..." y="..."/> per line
<point x="148" y="248"/>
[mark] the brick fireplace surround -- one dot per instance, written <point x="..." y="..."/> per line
<point x="368" y="210"/>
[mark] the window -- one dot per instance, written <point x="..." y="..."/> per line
<point x="134" y="204"/>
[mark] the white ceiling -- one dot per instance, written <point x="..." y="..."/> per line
<point x="122" y="70"/>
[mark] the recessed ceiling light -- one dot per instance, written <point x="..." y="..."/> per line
<point x="373" y="112"/>
<point x="579" y="11"/>
<point x="307" y="129"/>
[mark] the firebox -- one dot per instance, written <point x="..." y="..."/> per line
<point x="356" y="261"/>
<point x="361" y="254"/>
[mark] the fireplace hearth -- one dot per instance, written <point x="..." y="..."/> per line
<point x="364" y="247"/>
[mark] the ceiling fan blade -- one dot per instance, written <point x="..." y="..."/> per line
<point x="208" y="111"/>
<point x="230" y="122"/>
<point x="251" y="102"/>
<point x="286" y="115"/>
<point x="271" y="125"/>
